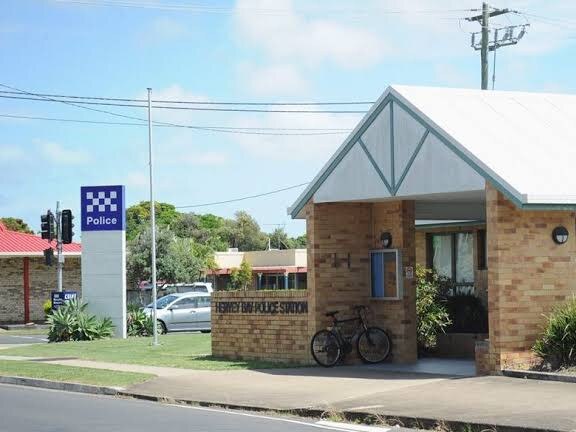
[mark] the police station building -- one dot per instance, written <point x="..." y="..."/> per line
<point x="490" y="174"/>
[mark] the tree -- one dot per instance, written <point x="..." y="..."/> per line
<point x="178" y="259"/>
<point x="138" y="217"/>
<point x="186" y="261"/>
<point x="241" y="278"/>
<point x="205" y="229"/>
<point x="16" y="224"/>
<point x="279" y="240"/>
<point x="139" y="257"/>
<point x="244" y="233"/>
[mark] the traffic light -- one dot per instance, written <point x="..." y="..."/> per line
<point x="47" y="226"/>
<point x="48" y="256"/>
<point x="67" y="226"/>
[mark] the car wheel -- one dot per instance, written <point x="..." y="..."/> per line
<point x="162" y="327"/>
<point x="205" y="331"/>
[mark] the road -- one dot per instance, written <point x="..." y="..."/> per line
<point x="6" y="339"/>
<point x="26" y="409"/>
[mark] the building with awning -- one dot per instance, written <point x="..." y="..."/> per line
<point x="26" y="281"/>
<point x="271" y="269"/>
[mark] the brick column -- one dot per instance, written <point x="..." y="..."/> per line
<point x="398" y="316"/>
<point x="528" y="274"/>
<point x="340" y="237"/>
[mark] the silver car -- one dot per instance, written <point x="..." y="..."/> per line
<point x="182" y="311"/>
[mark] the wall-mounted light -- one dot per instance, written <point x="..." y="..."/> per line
<point x="560" y="235"/>
<point x="386" y="240"/>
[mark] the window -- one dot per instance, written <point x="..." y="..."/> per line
<point x="452" y="255"/>
<point x="203" y="302"/>
<point x="385" y="274"/>
<point x="186" y="303"/>
<point x="482" y="249"/>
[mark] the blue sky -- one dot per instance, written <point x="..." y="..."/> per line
<point x="276" y="50"/>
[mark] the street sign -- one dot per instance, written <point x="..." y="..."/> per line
<point x="103" y="208"/>
<point x="60" y="297"/>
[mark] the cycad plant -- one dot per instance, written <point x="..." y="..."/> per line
<point x="71" y="322"/>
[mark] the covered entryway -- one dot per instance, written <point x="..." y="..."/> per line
<point x="420" y="155"/>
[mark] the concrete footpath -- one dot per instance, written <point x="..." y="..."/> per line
<point x="494" y="400"/>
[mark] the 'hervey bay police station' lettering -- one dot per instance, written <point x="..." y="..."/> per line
<point x="262" y="307"/>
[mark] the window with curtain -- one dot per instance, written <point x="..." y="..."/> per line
<point x="452" y="256"/>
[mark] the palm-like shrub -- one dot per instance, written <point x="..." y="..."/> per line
<point x="71" y="322"/>
<point x="558" y="343"/>
<point x="138" y="322"/>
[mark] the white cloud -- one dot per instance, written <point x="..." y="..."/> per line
<point x="137" y="179"/>
<point x="56" y="153"/>
<point x="274" y="80"/>
<point x="165" y="29"/>
<point x="11" y="153"/>
<point x="291" y="36"/>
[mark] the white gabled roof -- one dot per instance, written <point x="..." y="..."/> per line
<point x="522" y="143"/>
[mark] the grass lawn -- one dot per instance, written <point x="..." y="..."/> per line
<point x="101" y="377"/>
<point x="188" y="350"/>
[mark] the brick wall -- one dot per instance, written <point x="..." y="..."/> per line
<point x="42" y="282"/>
<point x="11" y="290"/>
<point x="528" y="274"/>
<point x="259" y="334"/>
<point x="340" y="237"/>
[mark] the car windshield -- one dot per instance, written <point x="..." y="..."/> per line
<point x="162" y="302"/>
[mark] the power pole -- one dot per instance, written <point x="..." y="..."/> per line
<point x="484" y="50"/>
<point x="484" y="20"/>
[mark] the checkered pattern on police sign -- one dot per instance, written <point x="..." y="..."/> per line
<point x="101" y="203"/>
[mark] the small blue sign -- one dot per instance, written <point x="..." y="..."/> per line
<point x="59" y="298"/>
<point x="103" y="208"/>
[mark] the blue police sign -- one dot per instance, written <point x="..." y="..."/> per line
<point x="103" y="208"/>
<point x="59" y="298"/>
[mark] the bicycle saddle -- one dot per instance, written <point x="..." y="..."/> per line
<point x="331" y="313"/>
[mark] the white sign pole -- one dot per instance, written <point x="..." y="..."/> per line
<point x="152" y="219"/>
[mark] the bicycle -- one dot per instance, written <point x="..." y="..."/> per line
<point x="329" y="346"/>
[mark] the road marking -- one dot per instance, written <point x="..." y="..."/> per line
<point x="366" y="407"/>
<point x="28" y="337"/>
<point x="320" y="425"/>
<point x="351" y="427"/>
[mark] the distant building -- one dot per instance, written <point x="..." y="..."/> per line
<point x="25" y="281"/>
<point x="272" y="269"/>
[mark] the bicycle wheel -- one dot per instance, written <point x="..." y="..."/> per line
<point x="373" y="345"/>
<point x="325" y="348"/>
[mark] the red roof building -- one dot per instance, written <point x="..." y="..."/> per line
<point x="18" y="244"/>
<point x="26" y="282"/>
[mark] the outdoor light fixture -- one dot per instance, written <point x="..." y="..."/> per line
<point x="560" y="235"/>
<point x="386" y="239"/>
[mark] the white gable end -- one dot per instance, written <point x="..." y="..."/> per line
<point x="353" y="179"/>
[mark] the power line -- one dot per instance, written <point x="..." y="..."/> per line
<point x="251" y="103"/>
<point x="222" y="129"/>
<point x="245" y="197"/>
<point x="117" y="114"/>
<point x="261" y="11"/>
<point x="124" y="105"/>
